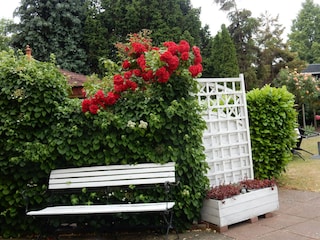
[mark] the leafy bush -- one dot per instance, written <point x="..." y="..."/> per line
<point x="30" y="95"/>
<point x="272" y="120"/>
<point x="41" y="129"/>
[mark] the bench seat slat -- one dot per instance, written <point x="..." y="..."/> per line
<point x="161" y="176"/>
<point x="112" y="176"/>
<point x="68" y="185"/>
<point x="148" y="166"/>
<point x="103" y="209"/>
<point x="58" y="174"/>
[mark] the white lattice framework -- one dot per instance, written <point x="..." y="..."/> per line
<point x="227" y="137"/>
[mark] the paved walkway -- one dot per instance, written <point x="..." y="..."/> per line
<point x="297" y="219"/>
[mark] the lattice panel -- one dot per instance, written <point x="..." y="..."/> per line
<point x="227" y="137"/>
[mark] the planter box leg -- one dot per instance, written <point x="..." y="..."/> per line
<point x="253" y="219"/>
<point x="268" y="215"/>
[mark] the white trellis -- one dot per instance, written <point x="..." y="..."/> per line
<point x="227" y="137"/>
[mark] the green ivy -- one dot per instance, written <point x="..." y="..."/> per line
<point x="30" y="94"/>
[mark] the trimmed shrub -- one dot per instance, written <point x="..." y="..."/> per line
<point x="273" y="120"/>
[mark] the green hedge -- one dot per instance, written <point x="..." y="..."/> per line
<point x="272" y="120"/>
<point x="42" y="129"/>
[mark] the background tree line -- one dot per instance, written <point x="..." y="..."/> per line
<point x="81" y="33"/>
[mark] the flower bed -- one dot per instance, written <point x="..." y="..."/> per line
<point x="235" y="203"/>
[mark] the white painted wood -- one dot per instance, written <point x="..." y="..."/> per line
<point x="109" y="176"/>
<point x="103" y="209"/>
<point x="227" y="137"/>
<point x="113" y="175"/>
<point x="241" y="207"/>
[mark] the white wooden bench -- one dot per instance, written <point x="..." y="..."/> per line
<point x="108" y="177"/>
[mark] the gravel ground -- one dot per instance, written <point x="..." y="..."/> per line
<point x="201" y="234"/>
<point x="197" y="233"/>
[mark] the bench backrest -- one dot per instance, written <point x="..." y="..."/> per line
<point x="112" y="175"/>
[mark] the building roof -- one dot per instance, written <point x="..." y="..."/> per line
<point x="312" y="68"/>
<point x="74" y="79"/>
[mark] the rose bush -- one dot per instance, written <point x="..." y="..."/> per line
<point x="145" y="65"/>
<point x="146" y="106"/>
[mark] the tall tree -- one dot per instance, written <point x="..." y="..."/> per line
<point x="168" y="20"/>
<point x="305" y="32"/>
<point x="242" y="29"/>
<point x="206" y="52"/>
<point x="52" y="27"/>
<point x="273" y="52"/>
<point x="224" y="58"/>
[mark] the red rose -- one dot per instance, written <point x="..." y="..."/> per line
<point x="184" y="46"/>
<point x="142" y="62"/>
<point x="111" y="98"/>
<point x="132" y="85"/>
<point x="172" y="47"/>
<point x="99" y="98"/>
<point x="117" y="79"/>
<point x="185" y="56"/>
<point x="171" y="60"/>
<point x="166" y="56"/>
<point x="197" y="56"/>
<point x="128" y="74"/>
<point x="163" y="75"/>
<point x="93" y="109"/>
<point x="126" y="64"/>
<point x="85" y="105"/>
<point x="173" y="63"/>
<point x="137" y="72"/>
<point x="195" y="70"/>
<point x="147" y="76"/>
<point x="138" y="48"/>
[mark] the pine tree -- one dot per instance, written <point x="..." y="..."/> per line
<point x="224" y="58"/>
<point x="52" y="27"/>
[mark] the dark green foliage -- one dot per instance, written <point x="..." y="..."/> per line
<point x="30" y="95"/>
<point x="305" y="35"/>
<point x="242" y="29"/>
<point x="224" y="57"/>
<point x="53" y="27"/>
<point x="113" y="20"/>
<point x="273" y="120"/>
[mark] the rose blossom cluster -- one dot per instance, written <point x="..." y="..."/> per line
<point x="136" y="66"/>
<point x="99" y="100"/>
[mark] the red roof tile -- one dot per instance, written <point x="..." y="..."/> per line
<point x="74" y="79"/>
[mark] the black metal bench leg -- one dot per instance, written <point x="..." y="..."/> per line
<point x="168" y="217"/>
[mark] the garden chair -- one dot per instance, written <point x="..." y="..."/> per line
<point x="300" y="135"/>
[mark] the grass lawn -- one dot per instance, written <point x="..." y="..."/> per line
<point x="303" y="174"/>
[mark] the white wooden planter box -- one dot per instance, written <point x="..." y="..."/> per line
<point x="241" y="207"/>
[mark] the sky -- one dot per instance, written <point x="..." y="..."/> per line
<point x="212" y="16"/>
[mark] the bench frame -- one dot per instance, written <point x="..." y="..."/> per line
<point x="107" y="178"/>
